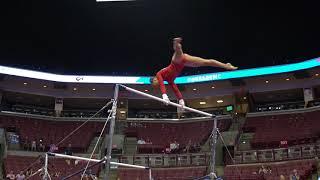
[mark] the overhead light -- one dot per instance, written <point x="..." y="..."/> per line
<point x="44" y="86"/>
<point x="245" y="97"/>
<point x="317" y="74"/>
<point x="202" y="102"/>
<point x="93" y="89"/>
<point x="194" y="89"/>
<point x="25" y="83"/>
<point x="146" y="90"/>
<point x="213" y="87"/>
<point x="243" y="142"/>
<point x="113" y="0"/>
<point x="74" y="89"/>
<point x="287" y="79"/>
<point x="220" y="101"/>
<point x="267" y="81"/>
<point x="122" y="112"/>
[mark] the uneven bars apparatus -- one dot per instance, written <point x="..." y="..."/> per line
<point x="107" y="158"/>
<point x="214" y="130"/>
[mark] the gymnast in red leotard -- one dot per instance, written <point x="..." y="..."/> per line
<point x="178" y="62"/>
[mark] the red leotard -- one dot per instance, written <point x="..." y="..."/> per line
<point x="169" y="74"/>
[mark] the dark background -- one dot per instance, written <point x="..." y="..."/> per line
<point x="134" y="38"/>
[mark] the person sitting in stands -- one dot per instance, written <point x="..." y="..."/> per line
<point x="20" y="176"/>
<point x="262" y="170"/>
<point x="29" y="172"/>
<point x="295" y="175"/>
<point x="174" y="146"/>
<point x="68" y="150"/>
<point x="11" y="176"/>
<point x="57" y="174"/>
<point x="26" y="144"/>
<point x="188" y="146"/>
<point x="41" y="145"/>
<point x="148" y="141"/>
<point x="141" y="141"/>
<point x="33" y="145"/>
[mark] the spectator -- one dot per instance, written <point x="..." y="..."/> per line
<point x="269" y="170"/>
<point x="11" y="176"/>
<point x="141" y="141"/>
<point x="177" y="144"/>
<point x="20" y="176"/>
<point x="173" y="146"/>
<point x="68" y="162"/>
<point x="263" y="170"/>
<point x="29" y="172"/>
<point x="53" y="148"/>
<point x="295" y="175"/>
<point x="282" y="177"/>
<point x="68" y="150"/>
<point x="57" y="174"/>
<point x="188" y="146"/>
<point x="148" y="141"/>
<point x="26" y="144"/>
<point x="41" y="145"/>
<point x="196" y="147"/>
<point x="33" y="146"/>
<point x="166" y="150"/>
<point x="89" y="175"/>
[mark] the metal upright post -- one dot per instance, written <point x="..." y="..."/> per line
<point x="111" y="131"/>
<point x="213" y="147"/>
<point x="45" y="168"/>
<point x="150" y="174"/>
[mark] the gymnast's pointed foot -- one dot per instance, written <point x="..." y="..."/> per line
<point x="231" y="67"/>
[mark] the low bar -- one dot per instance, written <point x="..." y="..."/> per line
<point x="81" y="170"/>
<point x="96" y="160"/>
<point x="169" y="103"/>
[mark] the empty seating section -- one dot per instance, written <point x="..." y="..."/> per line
<point x="57" y="167"/>
<point x="162" y="173"/>
<point x="294" y="128"/>
<point x="160" y="135"/>
<point x="52" y="131"/>
<point x="251" y="172"/>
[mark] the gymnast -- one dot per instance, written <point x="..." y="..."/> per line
<point x="178" y="62"/>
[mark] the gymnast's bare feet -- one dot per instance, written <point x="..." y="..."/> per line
<point x="231" y="67"/>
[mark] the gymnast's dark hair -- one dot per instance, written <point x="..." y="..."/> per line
<point x="151" y="79"/>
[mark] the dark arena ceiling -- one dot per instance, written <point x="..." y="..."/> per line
<point x="134" y="38"/>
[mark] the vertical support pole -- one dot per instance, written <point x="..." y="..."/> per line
<point x="111" y="131"/>
<point x="150" y="174"/>
<point x="213" y="146"/>
<point x="45" y="173"/>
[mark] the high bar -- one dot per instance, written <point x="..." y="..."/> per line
<point x="96" y="160"/>
<point x="170" y="103"/>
